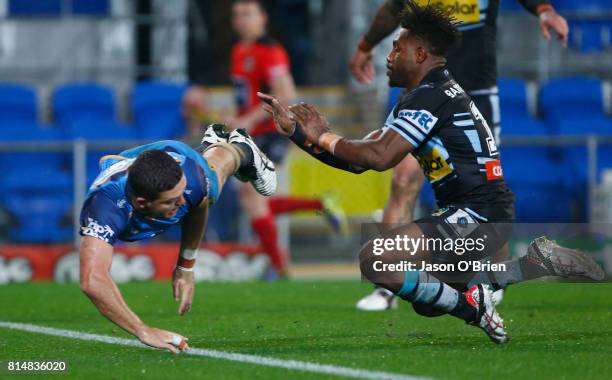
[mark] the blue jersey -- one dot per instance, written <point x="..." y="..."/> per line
<point x="108" y="214"/>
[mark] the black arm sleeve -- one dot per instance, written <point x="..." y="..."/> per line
<point x="532" y="5"/>
<point x="299" y="138"/>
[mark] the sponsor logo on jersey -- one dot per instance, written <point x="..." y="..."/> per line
<point x="94" y="229"/>
<point x="248" y="64"/>
<point x="440" y="211"/>
<point x="421" y="118"/>
<point x="462" y="223"/>
<point x="434" y="165"/>
<point x="464" y="11"/>
<point x="494" y="170"/>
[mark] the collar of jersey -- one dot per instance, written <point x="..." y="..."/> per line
<point x="437" y="74"/>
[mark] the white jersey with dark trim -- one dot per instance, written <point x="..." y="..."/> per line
<point x="453" y="143"/>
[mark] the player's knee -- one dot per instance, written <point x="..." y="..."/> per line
<point x="365" y="260"/>
<point x="404" y="187"/>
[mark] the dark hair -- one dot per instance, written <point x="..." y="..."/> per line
<point x="153" y="172"/>
<point x="432" y="25"/>
<point x="261" y="4"/>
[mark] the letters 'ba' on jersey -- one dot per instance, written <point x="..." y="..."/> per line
<point x="453" y="143"/>
<point x="108" y="214"/>
<point x="253" y="68"/>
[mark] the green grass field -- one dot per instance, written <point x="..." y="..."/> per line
<point x="557" y="331"/>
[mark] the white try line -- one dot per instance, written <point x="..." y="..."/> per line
<point x="232" y="356"/>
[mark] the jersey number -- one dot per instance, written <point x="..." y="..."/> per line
<point x="491" y="145"/>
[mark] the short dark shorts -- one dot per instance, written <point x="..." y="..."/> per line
<point x="477" y="232"/>
<point x="273" y="145"/>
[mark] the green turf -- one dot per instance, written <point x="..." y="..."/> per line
<point x="557" y="331"/>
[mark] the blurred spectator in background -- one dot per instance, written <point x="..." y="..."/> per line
<point x="194" y="110"/>
<point x="210" y="39"/>
<point x="259" y="63"/>
<point x="197" y="113"/>
<point x="473" y="65"/>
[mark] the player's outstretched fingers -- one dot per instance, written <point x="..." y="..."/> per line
<point x="171" y="348"/>
<point x="311" y="109"/>
<point x="185" y="304"/>
<point x="300" y="112"/>
<point x="180" y="342"/>
<point x="271" y="101"/>
<point x="176" y="291"/>
<point x="267" y="99"/>
<point x="268" y="108"/>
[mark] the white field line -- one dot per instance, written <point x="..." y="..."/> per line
<point x="296" y="365"/>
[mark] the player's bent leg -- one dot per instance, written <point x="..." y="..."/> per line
<point x="406" y="184"/>
<point x="222" y="158"/>
<point x="563" y="262"/>
<point x="417" y="286"/>
<point x="223" y="164"/>
<point x="544" y="258"/>
<point x="245" y="159"/>
<point x="502" y="255"/>
<point x="427" y="310"/>
<point x="260" y="170"/>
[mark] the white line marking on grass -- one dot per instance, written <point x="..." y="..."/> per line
<point x="327" y="369"/>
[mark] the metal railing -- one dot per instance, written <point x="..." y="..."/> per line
<point x="80" y="148"/>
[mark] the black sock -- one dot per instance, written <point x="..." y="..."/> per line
<point x="200" y="148"/>
<point x="532" y="268"/>
<point x="246" y="155"/>
<point x="464" y="310"/>
<point x="500" y="279"/>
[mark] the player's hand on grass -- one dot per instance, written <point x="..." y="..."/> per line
<point x="163" y="339"/>
<point x="362" y="66"/>
<point x="183" y="289"/>
<point x="552" y="20"/>
<point x="283" y="118"/>
<point x="313" y="123"/>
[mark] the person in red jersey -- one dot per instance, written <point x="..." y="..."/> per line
<point x="259" y="63"/>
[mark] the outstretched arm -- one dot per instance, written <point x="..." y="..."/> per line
<point x="387" y="19"/>
<point x="192" y="232"/>
<point x="299" y="138"/>
<point x="379" y="151"/>
<point x="287" y="126"/>
<point x="549" y="19"/>
<point x="96" y="282"/>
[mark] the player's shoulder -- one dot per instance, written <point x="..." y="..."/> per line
<point x="109" y="197"/>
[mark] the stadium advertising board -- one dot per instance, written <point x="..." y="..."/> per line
<point x="222" y="262"/>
